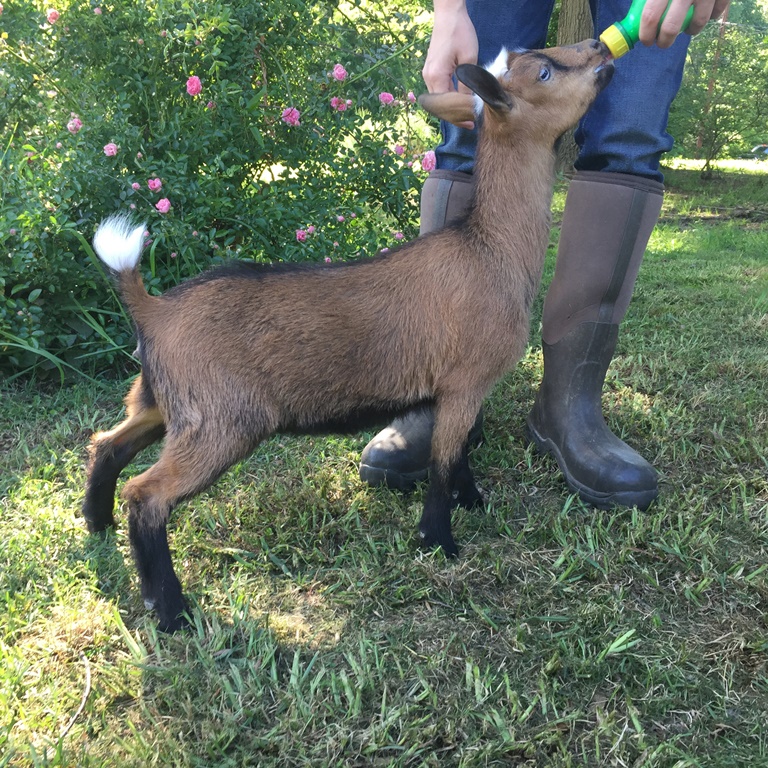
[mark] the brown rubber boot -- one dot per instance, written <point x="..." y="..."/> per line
<point x="399" y="455"/>
<point x="445" y="199"/>
<point x="607" y="222"/>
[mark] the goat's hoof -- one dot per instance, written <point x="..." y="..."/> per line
<point x="99" y="525"/>
<point x="469" y="497"/>
<point x="431" y="539"/>
<point x="170" y="626"/>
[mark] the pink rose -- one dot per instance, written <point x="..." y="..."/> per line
<point x="386" y="98"/>
<point x="211" y="105"/>
<point x="327" y="259"/>
<point x="58" y="145"/>
<point x="301" y="235"/>
<point x="339" y="73"/>
<point x="74" y="125"/>
<point x="52" y="16"/>
<point x="136" y="186"/>
<point x="97" y="11"/>
<point x="110" y="150"/>
<point x="399" y="150"/>
<point x="338" y="104"/>
<point x="311" y="229"/>
<point x="155" y="185"/>
<point x="428" y="162"/>
<point x="163" y="205"/>
<point x="291" y="116"/>
<point x="194" y="86"/>
<point x="399" y="235"/>
<point x="411" y="97"/>
<point x="339" y="219"/>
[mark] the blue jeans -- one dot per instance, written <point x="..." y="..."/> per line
<point x="625" y="130"/>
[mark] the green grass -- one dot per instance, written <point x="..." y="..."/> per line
<point x="323" y="636"/>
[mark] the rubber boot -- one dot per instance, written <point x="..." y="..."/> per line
<point x="607" y="223"/>
<point x="399" y="455"/>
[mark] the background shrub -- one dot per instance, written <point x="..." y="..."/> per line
<point x="78" y="78"/>
<point x="192" y="96"/>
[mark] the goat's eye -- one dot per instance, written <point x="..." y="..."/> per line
<point x="544" y="74"/>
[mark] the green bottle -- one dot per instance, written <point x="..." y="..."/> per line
<point x="623" y="35"/>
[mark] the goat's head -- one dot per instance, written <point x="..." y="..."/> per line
<point x="541" y="93"/>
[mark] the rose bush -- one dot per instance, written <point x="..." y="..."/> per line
<point x="228" y="127"/>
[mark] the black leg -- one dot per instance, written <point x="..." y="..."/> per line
<point x="465" y="492"/>
<point x="435" y="524"/>
<point x="111" y="454"/>
<point x="160" y="587"/>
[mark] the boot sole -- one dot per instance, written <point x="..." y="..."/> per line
<point x="376" y="476"/>
<point x="642" y="499"/>
<point x="390" y="478"/>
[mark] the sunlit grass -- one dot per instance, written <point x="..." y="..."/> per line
<point x="741" y="166"/>
<point x="322" y="635"/>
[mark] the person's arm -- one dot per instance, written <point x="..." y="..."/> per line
<point x="673" y="21"/>
<point x="454" y="42"/>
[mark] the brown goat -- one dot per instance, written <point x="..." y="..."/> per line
<point x="241" y="352"/>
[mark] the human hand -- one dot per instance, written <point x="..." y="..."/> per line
<point x="665" y="35"/>
<point x="454" y="42"/>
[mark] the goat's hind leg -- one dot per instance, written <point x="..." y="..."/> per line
<point x="110" y="452"/>
<point x="187" y="466"/>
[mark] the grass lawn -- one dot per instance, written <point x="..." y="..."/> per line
<point x="563" y="636"/>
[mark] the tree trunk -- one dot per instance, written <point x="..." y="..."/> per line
<point x="574" y="24"/>
<point x="710" y="92"/>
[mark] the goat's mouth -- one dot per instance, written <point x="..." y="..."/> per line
<point x="604" y="72"/>
<point x="607" y="60"/>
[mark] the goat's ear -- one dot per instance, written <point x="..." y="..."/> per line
<point x="456" y="108"/>
<point x="485" y="85"/>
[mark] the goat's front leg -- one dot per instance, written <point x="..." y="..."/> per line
<point x="451" y="480"/>
<point x="464" y="491"/>
<point x="435" y="524"/>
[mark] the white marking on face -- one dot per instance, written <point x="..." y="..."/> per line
<point x="498" y="66"/>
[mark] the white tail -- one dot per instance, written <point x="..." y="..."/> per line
<point x="118" y="242"/>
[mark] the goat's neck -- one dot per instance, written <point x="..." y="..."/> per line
<point x="513" y="196"/>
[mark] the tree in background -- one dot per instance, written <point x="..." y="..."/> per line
<point x="722" y="107"/>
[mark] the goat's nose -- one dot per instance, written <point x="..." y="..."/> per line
<point x="602" y="48"/>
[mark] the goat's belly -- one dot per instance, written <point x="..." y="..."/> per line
<point x="357" y="419"/>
